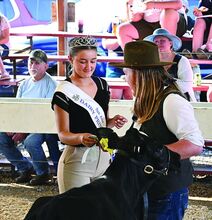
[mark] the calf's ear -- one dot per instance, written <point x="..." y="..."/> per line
<point x="132" y="139"/>
<point x="135" y="137"/>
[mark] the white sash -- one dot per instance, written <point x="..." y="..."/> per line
<point x="94" y="109"/>
<point x="82" y="99"/>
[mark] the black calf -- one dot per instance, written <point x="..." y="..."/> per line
<point x="117" y="194"/>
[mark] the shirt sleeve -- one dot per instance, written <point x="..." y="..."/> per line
<point x="61" y="100"/>
<point x="185" y="72"/>
<point x="179" y="116"/>
<point x="185" y="77"/>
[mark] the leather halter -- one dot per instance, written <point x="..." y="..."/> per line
<point x="147" y="168"/>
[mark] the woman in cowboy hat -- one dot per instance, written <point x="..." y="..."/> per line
<point x="164" y="114"/>
<point x="181" y="70"/>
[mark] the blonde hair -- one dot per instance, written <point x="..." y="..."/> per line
<point x="149" y="92"/>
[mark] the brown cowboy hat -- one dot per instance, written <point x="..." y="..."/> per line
<point x="141" y="53"/>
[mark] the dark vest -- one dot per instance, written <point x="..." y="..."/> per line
<point x="174" y="69"/>
<point x="156" y="128"/>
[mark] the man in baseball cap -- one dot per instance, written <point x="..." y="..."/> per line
<point x="39" y="85"/>
<point x="38" y="55"/>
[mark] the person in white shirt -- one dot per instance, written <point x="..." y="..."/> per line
<point x="166" y="117"/>
<point x="182" y="71"/>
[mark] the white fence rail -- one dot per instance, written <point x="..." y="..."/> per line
<point x="36" y="115"/>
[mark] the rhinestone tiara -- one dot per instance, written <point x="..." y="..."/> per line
<point x="86" y="41"/>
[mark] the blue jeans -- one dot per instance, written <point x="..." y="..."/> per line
<point x="54" y="152"/>
<point x="33" y="144"/>
<point x="170" y="207"/>
<point x="9" y="150"/>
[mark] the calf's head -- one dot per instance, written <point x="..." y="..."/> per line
<point x="152" y="157"/>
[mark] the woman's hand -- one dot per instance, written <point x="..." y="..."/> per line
<point x="197" y="12"/>
<point x="118" y="121"/>
<point x="88" y="140"/>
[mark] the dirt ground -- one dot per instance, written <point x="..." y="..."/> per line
<point x="16" y="199"/>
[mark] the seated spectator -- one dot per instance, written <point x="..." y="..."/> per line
<point x="39" y="85"/>
<point x="182" y="71"/>
<point x="114" y="49"/>
<point x="4" y="45"/>
<point x="202" y="33"/>
<point x="149" y="16"/>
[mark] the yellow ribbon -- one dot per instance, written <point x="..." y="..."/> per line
<point x="104" y="145"/>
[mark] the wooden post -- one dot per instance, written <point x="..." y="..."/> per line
<point x="62" y="26"/>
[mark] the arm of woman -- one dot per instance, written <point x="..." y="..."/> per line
<point x="197" y="12"/>
<point x="185" y="148"/>
<point x="117" y="121"/>
<point x="180" y="120"/>
<point x="67" y="137"/>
